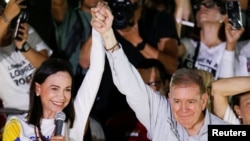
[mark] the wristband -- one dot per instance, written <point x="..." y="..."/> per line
<point x="25" y="47"/>
<point x="141" y="45"/>
<point x="113" y="47"/>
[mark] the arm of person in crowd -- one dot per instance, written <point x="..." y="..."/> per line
<point x="12" y="9"/>
<point x="183" y="11"/>
<point x="125" y="76"/>
<point x="232" y="37"/>
<point x="166" y="51"/>
<point x="59" y="9"/>
<point x="181" y="51"/>
<point x="84" y="59"/>
<point x="223" y="88"/>
<point x="168" y="54"/>
<point x="35" y="57"/>
<point x="10" y="12"/>
<point x="87" y="92"/>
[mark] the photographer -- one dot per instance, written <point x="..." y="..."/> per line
<point x="146" y="30"/>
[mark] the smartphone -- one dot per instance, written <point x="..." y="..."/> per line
<point x="22" y="18"/>
<point x="234" y="13"/>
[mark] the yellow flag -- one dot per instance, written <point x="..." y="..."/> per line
<point x="12" y="130"/>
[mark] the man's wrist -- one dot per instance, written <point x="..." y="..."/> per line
<point x="114" y="47"/>
<point x="109" y="39"/>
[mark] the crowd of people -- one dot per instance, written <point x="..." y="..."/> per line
<point x="123" y="70"/>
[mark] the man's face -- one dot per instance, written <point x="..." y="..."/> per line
<point x="187" y="105"/>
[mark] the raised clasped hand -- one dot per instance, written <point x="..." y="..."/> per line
<point x="102" y="17"/>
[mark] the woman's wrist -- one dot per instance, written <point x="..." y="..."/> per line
<point x="230" y="46"/>
<point x="5" y="18"/>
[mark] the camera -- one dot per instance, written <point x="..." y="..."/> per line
<point x="234" y="13"/>
<point x="123" y="11"/>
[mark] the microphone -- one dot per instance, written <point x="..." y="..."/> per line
<point x="59" y="119"/>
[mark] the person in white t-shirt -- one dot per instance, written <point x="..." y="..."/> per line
<point x="210" y="52"/>
<point x="18" y="58"/>
<point x="242" y="61"/>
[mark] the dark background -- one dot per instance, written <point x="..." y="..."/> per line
<point x="40" y="18"/>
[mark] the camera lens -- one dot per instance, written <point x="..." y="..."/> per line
<point x="123" y="11"/>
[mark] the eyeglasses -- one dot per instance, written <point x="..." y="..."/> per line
<point x="208" y="4"/>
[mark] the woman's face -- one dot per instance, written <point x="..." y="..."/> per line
<point x="208" y="12"/>
<point x="243" y="109"/>
<point x="55" y="93"/>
